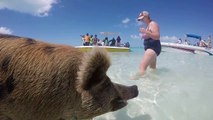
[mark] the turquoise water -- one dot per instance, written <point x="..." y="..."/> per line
<point x="180" y="89"/>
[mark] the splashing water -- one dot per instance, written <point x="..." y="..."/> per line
<point x="180" y="88"/>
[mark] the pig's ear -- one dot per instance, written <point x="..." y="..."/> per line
<point x="93" y="69"/>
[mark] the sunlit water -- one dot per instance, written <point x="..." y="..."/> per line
<point x="180" y="89"/>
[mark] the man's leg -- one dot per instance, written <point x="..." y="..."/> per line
<point x="153" y="62"/>
<point x="148" y="58"/>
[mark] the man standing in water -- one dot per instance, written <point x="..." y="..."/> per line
<point x="152" y="46"/>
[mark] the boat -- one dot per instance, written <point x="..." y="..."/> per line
<point x="108" y="48"/>
<point x="189" y="48"/>
<point x="125" y="47"/>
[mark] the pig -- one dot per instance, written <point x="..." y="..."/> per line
<point x="43" y="81"/>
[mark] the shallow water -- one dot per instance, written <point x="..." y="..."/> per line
<point x="180" y="88"/>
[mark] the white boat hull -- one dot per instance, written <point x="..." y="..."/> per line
<point x="108" y="48"/>
<point x="190" y="48"/>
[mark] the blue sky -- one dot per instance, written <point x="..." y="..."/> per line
<point x="63" y="21"/>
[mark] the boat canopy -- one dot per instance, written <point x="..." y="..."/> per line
<point x="193" y="36"/>
<point x="109" y="33"/>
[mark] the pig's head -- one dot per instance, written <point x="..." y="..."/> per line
<point x="98" y="94"/>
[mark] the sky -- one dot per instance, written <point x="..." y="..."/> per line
<point x="63" y="21"/>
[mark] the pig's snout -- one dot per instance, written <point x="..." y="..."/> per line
<point x="134" y="91"/>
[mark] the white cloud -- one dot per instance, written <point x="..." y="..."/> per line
<point x="126" y="20"/>
<point x="4" y="30"/>
<point x="169" y="38"/>
<point x="34" y="7"/>
<point x="163" y="38"/>
<point x="136" y="37"/>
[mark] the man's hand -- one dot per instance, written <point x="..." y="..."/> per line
<point x="143" y="30"/>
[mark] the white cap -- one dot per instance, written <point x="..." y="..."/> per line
<point x="142" y="14"/>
